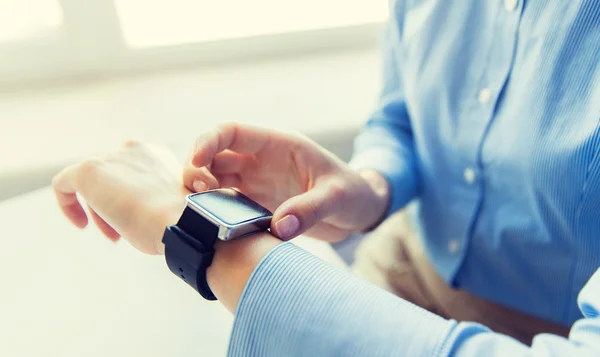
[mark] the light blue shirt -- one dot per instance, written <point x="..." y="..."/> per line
<point x="489" y="116"/>
<point x="294" y="304"/>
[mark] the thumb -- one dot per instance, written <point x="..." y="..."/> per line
<point x="299" y="213"/>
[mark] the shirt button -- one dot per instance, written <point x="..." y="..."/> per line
<point x="510" y="5"/>
<point x="469" y="175"/>
<point x="484" y="95"/>
<point x="453" y="246"/>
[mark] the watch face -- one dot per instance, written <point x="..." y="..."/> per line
<point x="229" y="206"/>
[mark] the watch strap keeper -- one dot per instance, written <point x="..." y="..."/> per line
<point x="189" y="259"/>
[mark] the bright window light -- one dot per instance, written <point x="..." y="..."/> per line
<point x="23" y="19"/>
<point x="154" y="23"/>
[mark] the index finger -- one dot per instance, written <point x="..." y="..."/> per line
<point x="240" y="138"/>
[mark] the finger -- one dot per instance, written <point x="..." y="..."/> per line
<point x="231" y="180"/>
<point x="229" y="162"/>
<point x="66" y="196"/>
<point x="300" y="213"/>
<point x="199" y="179"/>
<point x="104" y="227"/>
<point x="241" y="138"/>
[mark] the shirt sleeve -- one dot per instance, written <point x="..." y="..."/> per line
<point x="473" y="340"/>
<point x="297" y="305"/>
<point x="385" y="143"/>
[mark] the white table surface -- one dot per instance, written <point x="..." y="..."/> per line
<point x="66" y="292"/>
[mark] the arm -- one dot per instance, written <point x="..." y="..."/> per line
<point x="289" y="302"/>
<point x="471" y="340"/>
<point x="294" y="304"/>
<point x="385" y="144"/>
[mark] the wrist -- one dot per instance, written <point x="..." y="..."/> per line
<point x="233" y="263"/>
<point x="379" y="199"/>
<point x="167" y="216"/>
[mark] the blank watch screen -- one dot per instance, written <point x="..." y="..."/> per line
<point x="229" y="206"/>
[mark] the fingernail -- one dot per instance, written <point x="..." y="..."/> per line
<point x="200" y="186"/>
<point x="287" y="226"/>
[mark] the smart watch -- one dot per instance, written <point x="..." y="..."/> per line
<point x="223" y="214"/>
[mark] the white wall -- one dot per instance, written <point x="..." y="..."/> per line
<point x="326" y="95"/>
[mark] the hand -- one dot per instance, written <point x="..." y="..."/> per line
<point x="135" y="193"/>
<point x="308" y="188"/>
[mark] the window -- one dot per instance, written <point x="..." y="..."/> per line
<point x="25" y="19"/>
<point x="41" y="39"/>
<point x="149" y="23"/>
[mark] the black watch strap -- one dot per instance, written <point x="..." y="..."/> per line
<point x="189" y="250"/>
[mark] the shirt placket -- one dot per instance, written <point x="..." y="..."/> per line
<point x="480" y="115"/>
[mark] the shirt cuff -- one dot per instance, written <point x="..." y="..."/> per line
<point x="398" y="171"/>
<point x="295" y="304"/>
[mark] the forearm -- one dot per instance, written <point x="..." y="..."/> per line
<point x="290" y="303"/>
<point x="281" y="293"/>
<point x="387" y="149"/>
<point x="234" y="262"/>
<point x="385" y="144"/>
<point x="294" y="304"/>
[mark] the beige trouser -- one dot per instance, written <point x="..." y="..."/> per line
<point x="392" y="258"/>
